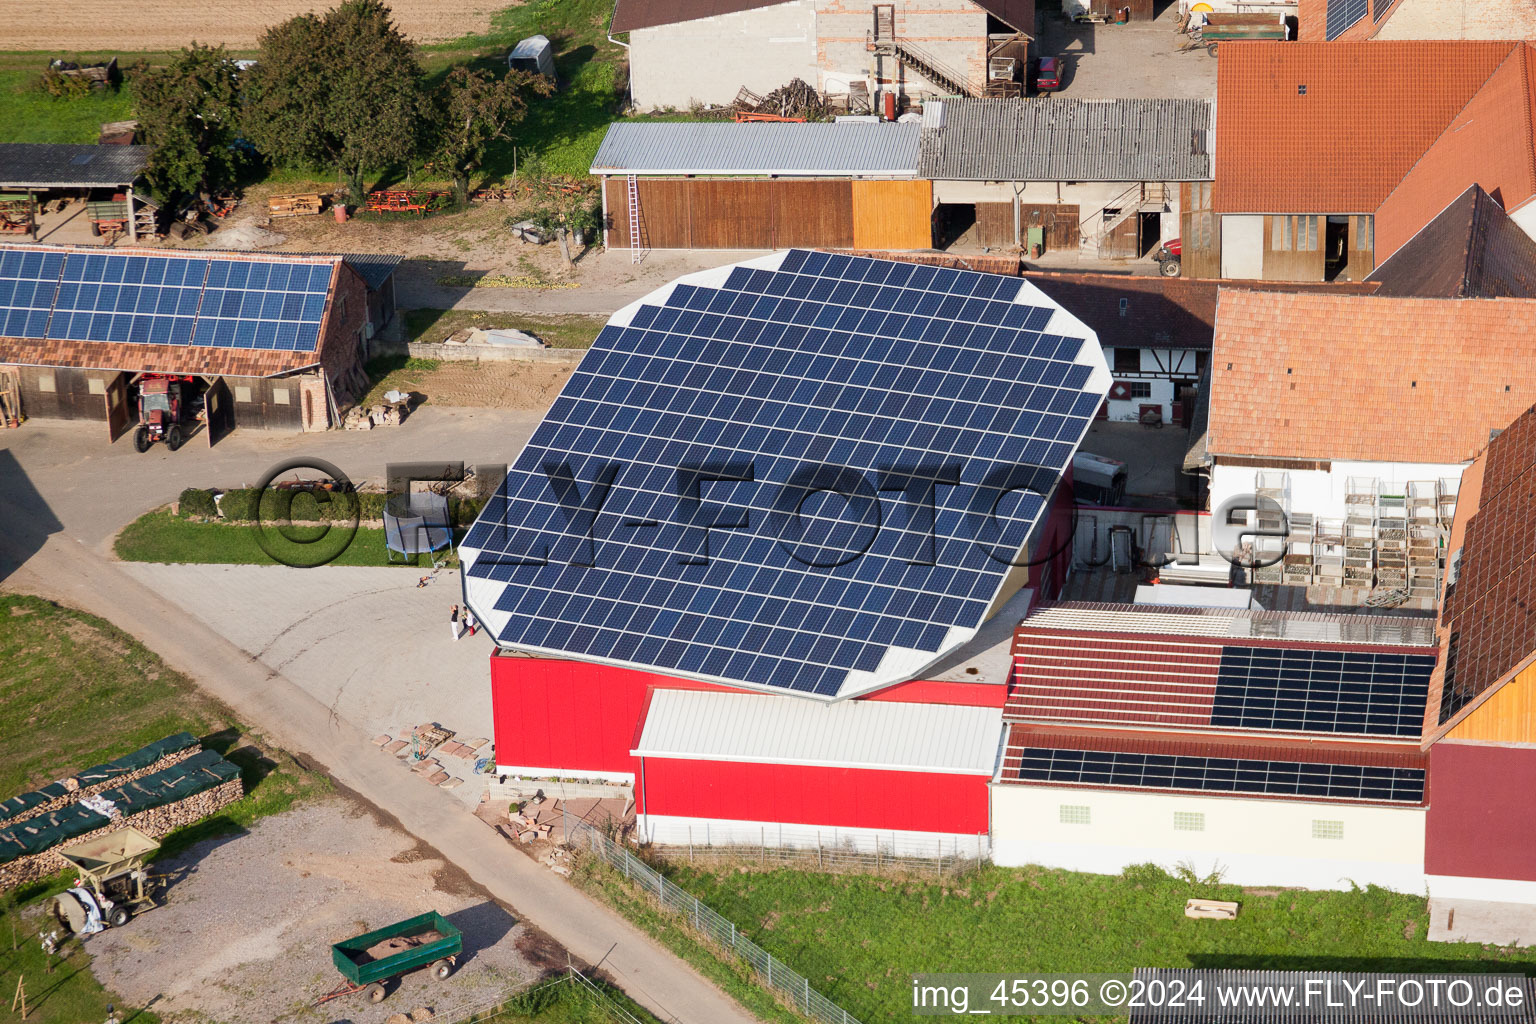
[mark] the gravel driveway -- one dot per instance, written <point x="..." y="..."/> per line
<point x="243" y="935"/>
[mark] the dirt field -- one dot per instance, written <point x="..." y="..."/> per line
<point x="243" y="936"/>
<point x="166" y="24"/>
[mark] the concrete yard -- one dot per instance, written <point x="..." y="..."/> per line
<point x="244" y="933"/>
<point x="1139" y="60"/>
<point x="365" y="642"/>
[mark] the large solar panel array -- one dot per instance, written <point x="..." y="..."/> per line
<point x="1342" y="14"/>
<point x="1221" y="774"/>
<point x="773" y="368"/>
<point x="1358" y="692"/>
<point x="163" y="300"/>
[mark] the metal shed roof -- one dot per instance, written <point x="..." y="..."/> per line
<point x="852" y="150"/>
<point x="766" y="729"/>
<point x="1232" y="623"/>
<point x="1067" y="140"/>
<point x="47" y="165"/>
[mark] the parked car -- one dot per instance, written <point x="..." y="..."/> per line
<point x="1048" y="74"/>
<point x="1169" y="257"/>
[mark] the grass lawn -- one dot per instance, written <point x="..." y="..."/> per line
<point x="860" y="938"/>
<point x="75" y="691"/>
<point x="433" y="325"/>
<point x="27" y="114"/>
<point x="566" y="1001"/>
<point x="159" y="536"/>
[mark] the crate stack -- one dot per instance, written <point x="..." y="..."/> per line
<point x="1360" y="497"/>
<point x="1328" y="552"/>
<point x="1446" y="500"/>
<point x="1270" y="521"/>
<point x="1392" y="541"/>
<point x="1426" y="538"/>
<point x="1299" y="548"/>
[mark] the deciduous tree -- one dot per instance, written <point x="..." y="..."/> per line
<point x="189" y="111"/>
<point x="342" y="89"/>
<point x="471" y="110"/>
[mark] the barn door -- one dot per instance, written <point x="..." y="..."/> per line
<point x="118" y="413"/>
<point x="220" y="411"/>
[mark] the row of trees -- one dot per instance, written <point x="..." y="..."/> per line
<point x="343" y="89"/>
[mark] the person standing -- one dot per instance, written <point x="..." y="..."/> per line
<point x="453" y="622"/>
<point x="470" y="622"/>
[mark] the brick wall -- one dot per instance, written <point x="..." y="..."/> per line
<point x="341" y="347"/>
<point x="953" y="31"/>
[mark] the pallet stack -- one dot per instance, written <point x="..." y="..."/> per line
<point x="1299" y="548"/>
<point x="1391" y="541"/>
<point x="1328" y="552"/>
<point x="1270" y="520"/>
<point x="1360" y="498"/>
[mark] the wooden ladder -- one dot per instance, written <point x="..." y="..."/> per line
<point x="636" y="253"/>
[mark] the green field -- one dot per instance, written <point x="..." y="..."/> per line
<point x="860" y="938"/>
<point x="75" y="691"/>
<point x="559" y="137"/>
<point x="159" y="536"/>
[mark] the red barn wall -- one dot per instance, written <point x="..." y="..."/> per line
<point x="1482" y="821"/>
<point x="812" y="795"/>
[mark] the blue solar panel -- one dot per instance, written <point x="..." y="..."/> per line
<point x="1312" y="690"/>
<point x="722" y="405"/>
<point x="1221" y="774"/>
<point x="162" y="300"/>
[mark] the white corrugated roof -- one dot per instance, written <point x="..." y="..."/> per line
<point x="851" y="150"/>
<point x="714" y="726"/>
<point x="1235" y="623"/>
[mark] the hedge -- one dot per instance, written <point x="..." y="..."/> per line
<point x="238" y="505"/>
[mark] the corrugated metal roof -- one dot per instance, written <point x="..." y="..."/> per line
<point x="1067" y="140"/>
<point x="50" y="165"/>
<point x="1312" y="627"/>
<point x="715" y="726"/>
<point x="851" y="149"/>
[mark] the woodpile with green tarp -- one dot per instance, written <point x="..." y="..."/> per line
<point x="145" y="789"/>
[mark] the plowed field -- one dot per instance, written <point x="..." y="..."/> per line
<point x="94" y="25"/>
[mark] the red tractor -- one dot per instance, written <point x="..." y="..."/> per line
<point x="163" y="408"/>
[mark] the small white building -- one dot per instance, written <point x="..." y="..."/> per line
<point x="683" y="52"/>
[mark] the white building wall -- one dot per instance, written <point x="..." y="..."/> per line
<point x="1249" y="841"/>
<point x="708" y="60"/>
<point x="1460" y="19"/>
<point x="1156" y="366"/>
<point x="1525" y="217"/>
<point x="679" y="830"/>
<point x="1242" y="247"/>
<point x="1320" y="492"/>
<point x="952" y="31"/>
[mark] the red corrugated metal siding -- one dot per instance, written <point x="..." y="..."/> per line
<point x="924" y="691"/>
<point x="1481" y="822"/>
<point x="1114" y="679"/>
<point x="824" y="797"/>
<point x="571" y="715"/>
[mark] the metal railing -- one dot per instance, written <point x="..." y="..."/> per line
<point x="862" y="850"/>
<point x="793" y="987"/>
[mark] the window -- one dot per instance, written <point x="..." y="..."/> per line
<point x="1279" y="233"/>
<point x="1207" y="229"/>
<point x="45" y="382"/>
<point x="1074" y="814"/>
<point x="96" y="386"/>
<point x="242" y="393"/>
<point x="1127" y="360"/>
<point x="279" y="396"/>
<point x="1306" y="234"/>
<point x="1141" y="388"/>
<point x="1323" y="829"/>
<point x="1364" y="240"/>
<point x="1188" y="821"/>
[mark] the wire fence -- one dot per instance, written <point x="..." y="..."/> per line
<point x="793" y="987"/>
<point x="827" y="850"/>
<point x="488" y="1010"/>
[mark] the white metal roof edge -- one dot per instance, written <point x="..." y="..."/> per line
<point x="811" y="762"/>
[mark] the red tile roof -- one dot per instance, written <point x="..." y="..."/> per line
<point x="1369" y="111"/>
<point x="1488" y="618"/>
<point x="137" y="358"/>
<point x="1491" y="142"/>
<point x="1307" y="376"/>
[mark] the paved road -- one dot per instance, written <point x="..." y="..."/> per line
<point x="63" y="492"/>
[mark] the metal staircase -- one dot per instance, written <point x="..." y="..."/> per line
<point x="1127" y="204"/>
<point x="636" y="252"/>
<point x="885" y="44"/>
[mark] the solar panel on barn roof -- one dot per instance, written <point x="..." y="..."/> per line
<point x="674" y="510"/>
<point x="148" y="298"/>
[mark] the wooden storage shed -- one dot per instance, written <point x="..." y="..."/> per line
<point x="763" y="186"/>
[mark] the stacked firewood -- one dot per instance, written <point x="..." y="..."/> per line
<point x="154" y="822"/>
<point x="76" y="792"/>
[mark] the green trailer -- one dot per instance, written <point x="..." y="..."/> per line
<point x="1222" y="25"/>
<point x="369" y="960"/>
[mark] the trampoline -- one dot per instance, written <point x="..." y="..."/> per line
<point x="416" y="524"/>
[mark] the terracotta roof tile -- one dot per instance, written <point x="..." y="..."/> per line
<point x="137" y="358"/>
<point x="1491" y="143"/>
<point x="1471" y="250"/>
<point x="1366" y="116"/>
<point x="1309" y="376"/>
